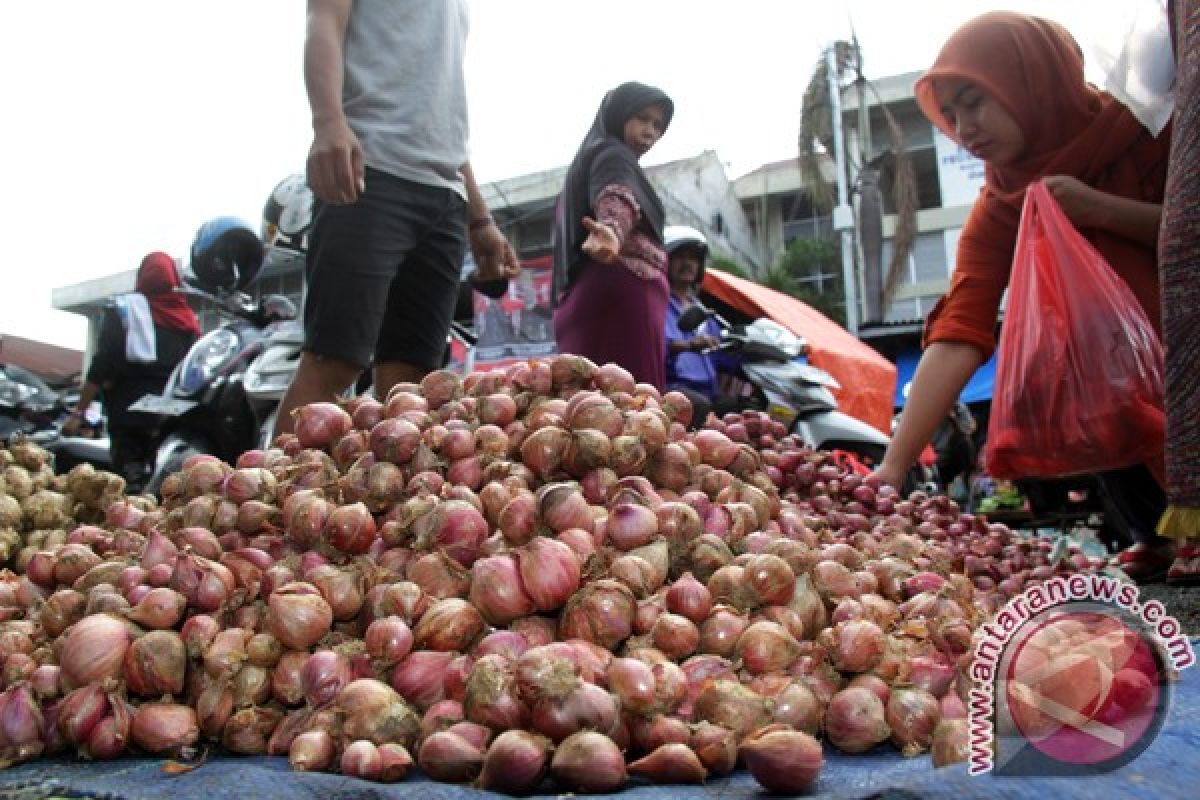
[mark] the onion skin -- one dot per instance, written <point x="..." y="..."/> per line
<point x="950" y="743"/>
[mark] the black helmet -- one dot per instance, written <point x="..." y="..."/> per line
<point x="226" y="254"/>
<point x="676" y="237"/>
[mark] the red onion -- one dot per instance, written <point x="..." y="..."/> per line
<point x="156" y="664"/>
<point x="588" y="762"/>
<point x="450" y="625"/>
<point x="515" y="763"/>
<point x="912" y="714"/>
<point x="419" y="677"/>
<point x="670" y="763"/>
<point x="491" y="695"/>
<point x="950" y="743"/>
<point x="730" y="705"/>
<point x="21" y="725"/>
<point x="93" y="649"/>
<point x="550" y="572"/>
<point x="323" y="676"/>
<point x="586" y="707"/>
<point x="449" y="758"/>
<point x="797" y="707"/>
<point x="361" y="759"/>
<point x="312" y="751"/>
<point x="298" y="616"/>
<point x="159" y="609"/>
<point x="320" y="424"/>
<point x="388" y="640"/>
<point x="715" y="747"/>
<point x="371" y="710"/>
<point x="601" y="612"/>
<point x="164" y="728"/>
<point x="766" y="647"/>
<point x="689" y="598"/>
<point x="854" y="720"/>
<point x="786" y="762"/>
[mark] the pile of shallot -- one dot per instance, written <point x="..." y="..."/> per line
<point x="531" y="573"/>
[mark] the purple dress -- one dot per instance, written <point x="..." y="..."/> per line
<point x="611" y="314"/>
<point x="616" y="312"/>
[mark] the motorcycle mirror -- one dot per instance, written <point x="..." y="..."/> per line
<point x="692" y="318"/>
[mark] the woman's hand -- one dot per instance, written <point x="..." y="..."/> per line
<point x="1082" y="204"/>
<point x="72" y="424"/>
<point x="602" y="243"/>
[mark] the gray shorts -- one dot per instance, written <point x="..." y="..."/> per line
<point x="382" y="274"/>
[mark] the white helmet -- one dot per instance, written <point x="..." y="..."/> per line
<point x="288" y="214"/>
<point x="677" y="236"/>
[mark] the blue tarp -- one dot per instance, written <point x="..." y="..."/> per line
<point x="1169" y="768"/>
<point x="978" y="389"/>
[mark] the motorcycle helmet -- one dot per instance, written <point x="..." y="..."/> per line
<point x="288" y="214"/>
<point x="226" y="254"/>
<point x="680" y="236"/>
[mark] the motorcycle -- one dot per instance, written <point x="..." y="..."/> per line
<point x="222" y="397"/>
<point x="775" y="379"/>
<point x="30" y="408"/>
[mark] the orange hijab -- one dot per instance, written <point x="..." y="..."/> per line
<point x="1034" y="68"/>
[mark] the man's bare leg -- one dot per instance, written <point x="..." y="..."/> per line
<point x="389" y="374"/>
<point x="317" y="379"/>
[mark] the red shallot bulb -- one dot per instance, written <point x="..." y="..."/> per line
<point x="670" y="763"/>
<point x="588" y="762"/>
<point x="782" y="761"/>
<point x="312" y="751"/>
<point x="298" y="616"/>
<point x="450" y="758"/>
<point x="361" y="759"/>
<point x="515" y="763"/>
<point x="854" y="720"/>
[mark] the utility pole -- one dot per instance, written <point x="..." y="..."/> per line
<point x="843" y="214"/>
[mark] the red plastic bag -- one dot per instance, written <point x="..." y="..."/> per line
<point x="1079" y="376"/>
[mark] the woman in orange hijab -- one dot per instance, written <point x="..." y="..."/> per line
<point x="1010" y="89"/>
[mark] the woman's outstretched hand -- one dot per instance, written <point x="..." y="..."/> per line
<point x="602" y="243"/>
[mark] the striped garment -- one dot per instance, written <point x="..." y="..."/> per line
<point x="1179" y="264"/>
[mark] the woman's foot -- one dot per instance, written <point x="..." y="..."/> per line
<point x="1185" y="569"/>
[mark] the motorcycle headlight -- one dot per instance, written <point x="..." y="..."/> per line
<point x="13" y="393"/>
<point x="205" y="360"/>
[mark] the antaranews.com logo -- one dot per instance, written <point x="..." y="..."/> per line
<point x="1072" y="677"/>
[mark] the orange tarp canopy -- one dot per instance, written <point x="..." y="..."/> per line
<point x="868" y="379"/>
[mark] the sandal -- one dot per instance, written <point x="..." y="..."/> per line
<point x="1134" y="552"/>
<point x="1146" y="566"/>
<point x="1185" y="569"/>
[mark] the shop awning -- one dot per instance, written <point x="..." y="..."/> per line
<point x="868" y="379"/>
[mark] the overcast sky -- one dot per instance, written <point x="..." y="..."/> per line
<point x="128" y="123"/>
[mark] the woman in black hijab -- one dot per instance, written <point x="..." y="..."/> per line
<point x="610" y="281"/>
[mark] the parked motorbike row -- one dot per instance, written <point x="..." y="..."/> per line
<point x="222" y="398"/>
